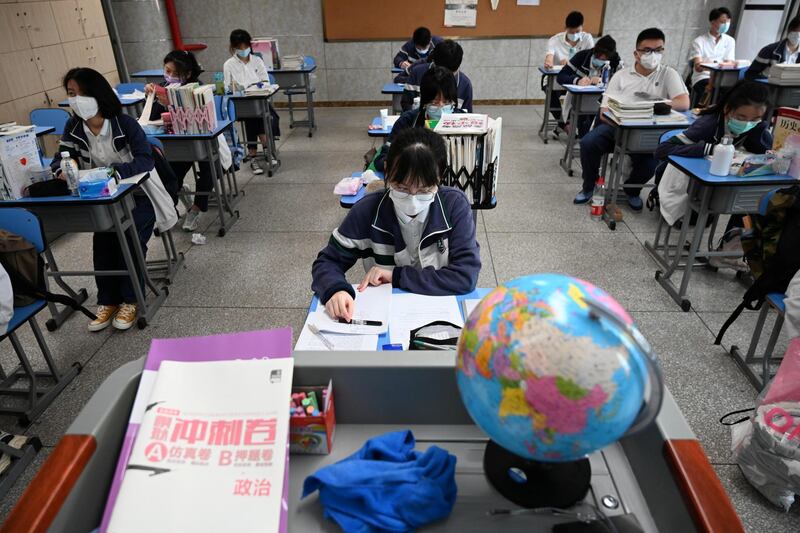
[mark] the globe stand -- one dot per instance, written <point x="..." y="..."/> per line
<point x="533" y="484"/>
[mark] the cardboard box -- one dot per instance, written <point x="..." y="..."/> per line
<point x="314" y="434"/>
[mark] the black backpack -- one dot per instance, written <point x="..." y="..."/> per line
<point x="772" y="250"/>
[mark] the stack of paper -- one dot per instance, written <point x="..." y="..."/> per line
<point x="785" y="74"/>
<point x="462" y="123"/>
<point x="411" y="311"/>
<point x="292" y="62"/>
<point x="639" y="110"/>
<point x="673" y="118"/>
<point x="261" y="88"/>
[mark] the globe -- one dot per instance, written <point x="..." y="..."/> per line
<point x="552" y="368"/>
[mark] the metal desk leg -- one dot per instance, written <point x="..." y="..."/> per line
<point x="165" y="270"/>
<point x="544" y="131"/>
<point x="758" y="381"/>
<point x="569" y="152"/>
<point x="615" y="176"/>
<point x="397" y="108"/>
<point x="773" y="339"/>
<point x="59" y="317"/>
<point x="220" y="192"/>
<point x="312" y="123"/>
<point x="270" y="149"/>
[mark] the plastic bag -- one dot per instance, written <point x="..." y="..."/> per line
<point x="767" y="447"/>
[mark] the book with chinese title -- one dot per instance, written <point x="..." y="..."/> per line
<point x="274" y="343"/>
<point x="787" y="124"/>
<point x="211" y="450"/>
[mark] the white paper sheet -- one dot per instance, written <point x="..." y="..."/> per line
<point x="307" y="341"/>
<point x="527" y="2"/>
<point x="410" y="311"/>
<point x="372" y="304"/>
<point x="462" y="13"/>
<point x="469" y="306"/>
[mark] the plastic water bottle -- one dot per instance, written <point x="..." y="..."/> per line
<point x="604" y="77"/>
<point x="598" y="199"/>
<point x="723" y="157"/>
<point x="69" y="169"/>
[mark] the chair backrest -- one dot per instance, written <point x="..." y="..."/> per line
<point x="309" y="61"/>
<point x="25" y="224"/>
<point x="155" y="142"/>
<point x="667" y="135"/>
<point x="128" y="88"/>
<point x="50" y="116"/>
<point x="218" y="106"/>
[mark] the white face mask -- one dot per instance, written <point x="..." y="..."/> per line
<point x="650" y="61"/>
<point x="794" y="37"/>
<point x="83" y="106"/>
<point x="574" y="37"/>
<point x="411" y="204"/>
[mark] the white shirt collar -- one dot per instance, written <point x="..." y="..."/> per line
<point x="103" y="130"/>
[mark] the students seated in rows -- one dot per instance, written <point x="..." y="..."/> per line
<point x="784" y="51"/>
<point x="586" y="68"/>
<point x="182" y="67"/>
<point x="739" y="116"/>
<point x="242" y="70"/>
<point x="449" y="55"/>
<point x="420" y="46"/>
<point x="416" y="235"/>
<point x="101" y="135"/>
<point x="437" y="97"/>
<point x="560" y="49"/>
<point x="648" y="76"/>
<point x="716" y="46"/>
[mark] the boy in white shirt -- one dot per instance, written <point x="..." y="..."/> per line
<point x="716" y="46"/>
<point x="560" y="49"/>
<point x="649" y="76"/>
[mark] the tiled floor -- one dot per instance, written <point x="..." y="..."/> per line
<point x="258" y="276"/>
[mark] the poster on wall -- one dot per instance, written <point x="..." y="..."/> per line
<point x="527" y="2"/>
<point x="461" y="13"/>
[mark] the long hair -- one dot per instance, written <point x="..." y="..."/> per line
<point x="185" y="63"/>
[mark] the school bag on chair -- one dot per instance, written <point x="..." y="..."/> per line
<point x="771" y="249"/>
<point x="25" y="268"/>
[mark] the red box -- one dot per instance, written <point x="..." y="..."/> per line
<point x="313" y="434"/>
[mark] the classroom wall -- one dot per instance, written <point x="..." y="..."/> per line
<point x="499" y="68"/>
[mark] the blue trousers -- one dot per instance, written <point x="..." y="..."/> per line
<point x="600" y="141"/>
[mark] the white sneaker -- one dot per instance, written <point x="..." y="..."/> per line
<point x="191" y="221"/>
<point x="255" y="168"/>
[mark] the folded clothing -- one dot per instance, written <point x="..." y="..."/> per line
<point x="347" y="186"/>
<point x="387" y="486"/>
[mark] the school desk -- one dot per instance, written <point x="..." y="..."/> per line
<point x="780" y="96"/>
<point x="199" y="147"/>
<point x="155" y="75"/>
<point x="396" y="90"/>
<point x="257" y="107"/>
<point x="72" y="214"/>
<point x="397" y="70"/>
<point x="659" y="476"/>
<point x="585" y="102"/>
<point x="709" y="196"/>
<point x="348" y="200"/>
<point x="296" y="82"/>
<point x="381" y="131"/>
<point x="549" y="76"/>
<point x="722" y="78"/>
<point x="634" y="137"/>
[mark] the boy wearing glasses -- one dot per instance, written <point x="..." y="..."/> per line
<point x="646" y="78"/>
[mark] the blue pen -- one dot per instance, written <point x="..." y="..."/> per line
<point x="392" y="347"/>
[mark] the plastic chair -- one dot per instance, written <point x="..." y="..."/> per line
<point x="128" y="88"/>
<point x="667" y="135"/>
<point x="50" y="116"/>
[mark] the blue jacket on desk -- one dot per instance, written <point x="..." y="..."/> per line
<point x="580" y="66"/>
<point x="463" y="87"/>
<point x="128" y="136"/>
<point x="408" y="52"/>
<point x="771" y="54"/>
<point x="448" y="251"/>
<point x="707" y="131"/>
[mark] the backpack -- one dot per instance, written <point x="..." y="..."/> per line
<point x="771" y="250"/>
<point x="25" y="268"/>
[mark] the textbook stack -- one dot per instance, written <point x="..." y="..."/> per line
<point x="292" y="62"/>
<point x="473" y="155"/>
<point x="623" y="111"/>
<point x="784" y="74"/>
<point x="268" y="49"/>
<point x="192" y="108"/>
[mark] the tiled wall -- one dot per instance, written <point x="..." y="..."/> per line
<point x="499" y="68"/>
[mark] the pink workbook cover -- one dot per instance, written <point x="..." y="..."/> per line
<point x="230" y="346"/>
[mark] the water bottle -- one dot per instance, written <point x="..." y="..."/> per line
<point x="604" y="77"/>
<point x="69" y="169"/>
<point x="598" y="199"/>
<point x="723" y="157"/>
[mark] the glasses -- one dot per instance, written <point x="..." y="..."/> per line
<point x="658" y="50"/>
<point x="405" y="192"/>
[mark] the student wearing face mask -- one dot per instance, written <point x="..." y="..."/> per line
<point x="647" y="76"/>
<point x="416" y="235"/>
<point x="587" y="67"/>
<point x="420" y="46"/>
<point x="100" y="135"/>
<point x="447" y="54"/>
<point x="182" y="67"/>
<point x="716" y="46"/>
<point x="784" y="51"/>
<point x="560" y="49"/>
<point x="437" y="97"/>
<point x="242" y="70"/>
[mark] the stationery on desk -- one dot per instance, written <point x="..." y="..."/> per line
<point x="411" y="311"/>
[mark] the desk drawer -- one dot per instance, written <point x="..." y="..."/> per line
<point x="739" y="200"/>
<point x="644" y="141"/>
<point x="788" y="97"/>
<point x="87" y="219"/>
<point x="289" y="80"/>
<point x="190" y="150"/>
<point x="249" y="107"/>
<point x="589" y="104"/>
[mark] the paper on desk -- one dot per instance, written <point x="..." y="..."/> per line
<point x="372" y="304"/>
<point x="307" y="341"/>
<point x="144" y="118"/>
<point x="410" y="311"/>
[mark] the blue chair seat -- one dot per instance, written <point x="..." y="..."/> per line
<point x="775" y="299"/>
<point x="23" y="314"/>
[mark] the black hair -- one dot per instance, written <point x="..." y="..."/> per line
<point x="650" y="34"/>
<point x="746" y="92"/>
<point x="422" y="36"/>
<point x="185" y="63"/>
<point x="436" y="80"/>
<point x="605" y="45"/>
<point x="574" y="19"/>
<point x="448" y="54"/>
<point x="794" y="24"/>
<point x="92" y="83"/>
<point x="718" y="12"/>
<point x="240" y="37"/>
<point x="418" y="157"/>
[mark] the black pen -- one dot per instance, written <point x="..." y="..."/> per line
<point x="357" y="322"/>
